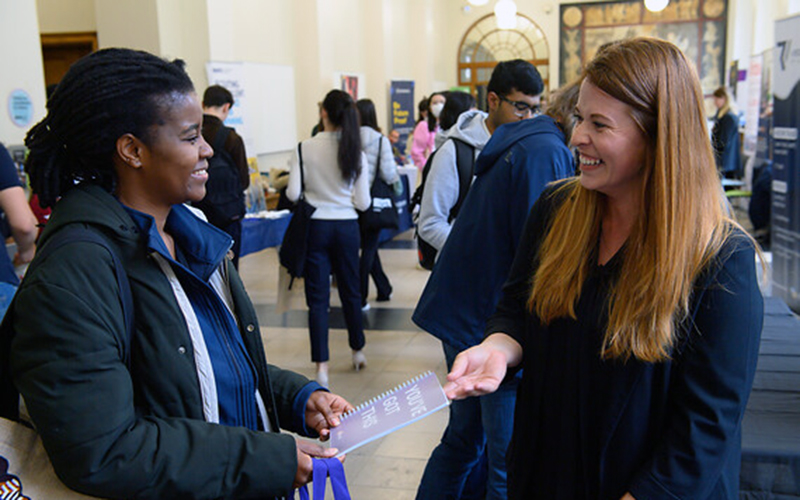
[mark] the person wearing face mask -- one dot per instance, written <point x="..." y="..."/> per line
<point x="425" y="131"/>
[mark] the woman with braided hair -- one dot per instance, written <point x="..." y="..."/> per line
<point x="196" y="410"/>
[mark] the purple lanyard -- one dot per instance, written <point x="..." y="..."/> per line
<point x="323" y="468"/>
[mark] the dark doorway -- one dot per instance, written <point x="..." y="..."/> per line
<point x="60" y="50"/>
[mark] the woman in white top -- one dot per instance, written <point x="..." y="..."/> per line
<point x="332" y="163"/>
<point x="380" y="162"/>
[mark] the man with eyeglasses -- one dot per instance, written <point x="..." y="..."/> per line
<point x="513" y="94"/>
<point x="519" y="158"/>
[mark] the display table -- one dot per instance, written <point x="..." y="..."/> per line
<point x="260" y="233"/>
<point x="771" y="427"/>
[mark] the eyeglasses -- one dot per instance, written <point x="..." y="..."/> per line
<point x="523" y="108"/>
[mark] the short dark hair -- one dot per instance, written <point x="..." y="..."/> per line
<point x="457" y="102"/>
<point x="516" y="74"/>
<point x="216" y="96"/>
<point x="103" y="96"/>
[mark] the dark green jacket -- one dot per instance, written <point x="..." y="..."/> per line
<point x="139" y="433"/>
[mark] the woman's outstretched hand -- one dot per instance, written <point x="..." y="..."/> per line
<point x="479" y="370"/>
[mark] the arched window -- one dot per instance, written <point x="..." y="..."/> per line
<point x="484" y="45"/>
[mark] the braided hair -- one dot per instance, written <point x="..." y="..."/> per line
<point x="103" y="96"/>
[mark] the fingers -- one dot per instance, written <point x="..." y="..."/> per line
<point x="325" y="409"/>
<point x="466" y="387"/>
<point x="459" y="367"/>
<point x="314" y="450"/>
<point x="305" y="468"/>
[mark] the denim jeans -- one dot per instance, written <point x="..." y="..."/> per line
<point x="476" y="425"/>
<point x="333" y="245"/>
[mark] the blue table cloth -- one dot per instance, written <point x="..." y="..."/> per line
<point x="258" y="234"/>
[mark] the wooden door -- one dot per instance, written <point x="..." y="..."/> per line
<point x="60" y="50"/>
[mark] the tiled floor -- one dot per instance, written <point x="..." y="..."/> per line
<point x="389" y="468"/>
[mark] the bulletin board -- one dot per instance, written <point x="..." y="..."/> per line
<point x="264" y="111"/>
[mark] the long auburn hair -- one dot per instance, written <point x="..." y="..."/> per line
<point x="683" y="218"/>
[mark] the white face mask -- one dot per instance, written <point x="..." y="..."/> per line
<point x="436" y="109"/>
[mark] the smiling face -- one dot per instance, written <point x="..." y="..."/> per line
<point x="611" y="146"/>
<point x="174" y="163"/>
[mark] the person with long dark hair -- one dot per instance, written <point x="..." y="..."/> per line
<point x="334" y="182"/>
<point x="182" y="404"/>
<point x="380" y="161"/>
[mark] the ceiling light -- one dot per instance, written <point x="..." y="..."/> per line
<point x="655" y="5"/>
<point x="505" y="12"/>
<point x="478" y="3"/>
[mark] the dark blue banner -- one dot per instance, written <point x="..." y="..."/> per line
<point x="401" y="112"/>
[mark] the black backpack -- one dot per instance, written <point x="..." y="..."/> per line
<point x="465" y="163"/>
<point x="224" y="200"/>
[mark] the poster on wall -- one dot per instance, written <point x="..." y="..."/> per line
<point x="401" y="101"/>
<point x="350" y="85"/>
<point x="232" y="77"/>
<point x="263" y="112"/>
<point x="786" y="167"/>
<point x="698" y="30"/>
<point x="20" y="108"/>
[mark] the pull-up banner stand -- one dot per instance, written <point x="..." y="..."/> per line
<point x="786" y="166"/>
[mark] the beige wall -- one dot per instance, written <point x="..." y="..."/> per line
<point x="183" y="33"/>
<point x="379" y="40"/>
<point x="66" y="16"/>
<point x="21" y="63"/>
<point x="128" y="24"/>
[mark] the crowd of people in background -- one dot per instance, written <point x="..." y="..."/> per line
<point x="596" y="301"/>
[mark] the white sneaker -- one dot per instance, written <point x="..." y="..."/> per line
<point x="359" y="360"/>
<point x="365" y="307"/>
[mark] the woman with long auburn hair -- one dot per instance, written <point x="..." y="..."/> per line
<point x="632" y="305"/>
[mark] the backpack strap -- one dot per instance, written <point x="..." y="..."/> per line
<point x="378" y="162"/>
<point x="9" y="399"/>
<point x="302" y="177"/>
<point x="465" y="163"/>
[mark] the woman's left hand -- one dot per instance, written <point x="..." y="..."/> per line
<point x="323" y="410"/>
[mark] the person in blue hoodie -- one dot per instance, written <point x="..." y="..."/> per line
<point x="513" y="168"/>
